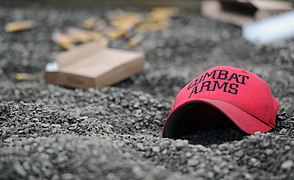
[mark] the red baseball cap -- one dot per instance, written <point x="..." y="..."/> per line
<point x="221" y="95"/>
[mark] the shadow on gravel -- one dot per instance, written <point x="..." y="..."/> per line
<point x="201" y="123"/>
<point x="214" y="136"/>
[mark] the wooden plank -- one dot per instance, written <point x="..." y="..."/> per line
<point x="92" y="65"/>
<point x="242" y="12"/>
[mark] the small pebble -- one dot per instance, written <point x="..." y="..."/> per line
<point x="287" y="164"/>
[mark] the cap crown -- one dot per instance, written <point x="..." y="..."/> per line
<point x="235" y="86"/>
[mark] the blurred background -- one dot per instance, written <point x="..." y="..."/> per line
<point x="187" y="4"/>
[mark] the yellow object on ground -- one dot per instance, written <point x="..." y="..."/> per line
<point x="17" y="77"/>
<point x="90" y="23"/>
<point x="134" y="41"/>
<point x="63" y="40"/>
<point x="18" y="26"/>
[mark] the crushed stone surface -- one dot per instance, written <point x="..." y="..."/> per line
<point x="51" y="132"/>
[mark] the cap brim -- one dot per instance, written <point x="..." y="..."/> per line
<point x="246" y="122"/>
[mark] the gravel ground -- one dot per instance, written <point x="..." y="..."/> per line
<point x="50" y="132"/>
